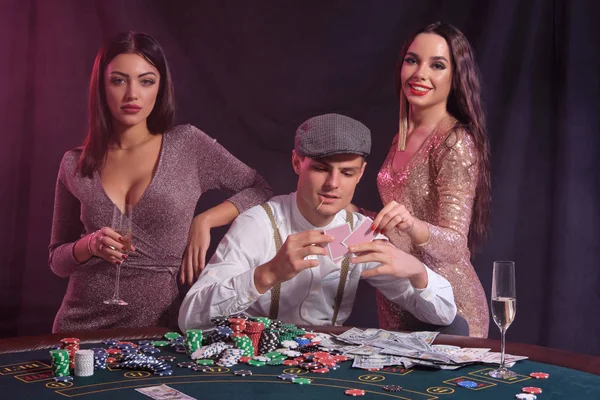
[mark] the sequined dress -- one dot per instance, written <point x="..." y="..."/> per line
<point x="189" y="164"/>
<point x="437" y="186"/>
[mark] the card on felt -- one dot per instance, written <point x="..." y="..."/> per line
<point x="362" y="234"/>
<point x="336" y="249"/>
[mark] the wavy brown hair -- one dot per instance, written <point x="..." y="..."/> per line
<point x="464" y="104"/>
<point x="100" y="127"/>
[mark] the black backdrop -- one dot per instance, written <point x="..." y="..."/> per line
<point x="248" y="72"/>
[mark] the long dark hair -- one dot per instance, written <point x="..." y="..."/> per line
<point x="100" y="119"/>
<point x="464" y="104"/>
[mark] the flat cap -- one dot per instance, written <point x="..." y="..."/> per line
<point x="329" y="134"/>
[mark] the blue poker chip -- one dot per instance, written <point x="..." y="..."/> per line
<point x="467" y="384"/>
<point x="63" y="378"/>
<point x="287" y="377"/>
<point x="167" y="372"/>
<point x="224" y="330"/>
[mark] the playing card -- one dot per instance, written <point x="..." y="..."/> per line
<point x="336" y="249"/>
<point x="164" y="392"/>
<point x="362" y="234"/>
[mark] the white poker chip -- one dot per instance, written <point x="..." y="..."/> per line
<point x="261" y="358"/>
<point x="290" y="344"/>
<point x="292" y="353"/>
<point x="526" y="396"/>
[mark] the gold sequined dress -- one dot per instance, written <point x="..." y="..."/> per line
<point x="437" y="186"/>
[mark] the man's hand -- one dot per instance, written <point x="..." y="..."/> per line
<point x="394" y="262"/>
<point x="290" y="259"/>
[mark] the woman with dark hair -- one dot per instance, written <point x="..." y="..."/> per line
<point x="133" y="155"/>
<point x="435" y="181"/>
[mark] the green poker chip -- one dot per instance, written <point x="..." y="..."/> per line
<point x="302" y="381"/>
<point x="172" y="335"/>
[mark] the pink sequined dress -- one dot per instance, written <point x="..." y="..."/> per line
<point x="190" y="163"/>
<point x="438" y="186"/>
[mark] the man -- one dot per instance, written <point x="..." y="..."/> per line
<point x="296" y="281"/>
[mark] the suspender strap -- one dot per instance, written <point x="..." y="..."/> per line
<point x="275" y="290"/>
<point x="343" y="275"/>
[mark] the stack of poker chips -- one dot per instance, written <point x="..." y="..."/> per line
<point x="209" y="351"/>
<point x="290" y="332"/>
<point x="254" y="330"/>
<point x="269" y="341"/>
<point x="84" y="363"/>
<point x="230" y="357"/>
<point x="144" y="362"/>
<point x="237" y="324"/>
<point x="71" y="345"/>
<point x="266" y="321"/>
<point x="302" y="341"/>
<point x="100" y="356"/>
<point x="60" y="362"/>
<point x="275" y="358"/>
<point x="193" y="340"/>
<point x="244" y="343"/>
<point x="220" y="321"/>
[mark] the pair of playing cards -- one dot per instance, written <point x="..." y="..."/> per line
<point x="345" y="237"/>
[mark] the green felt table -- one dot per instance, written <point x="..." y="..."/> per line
<point x="25" y="374"/>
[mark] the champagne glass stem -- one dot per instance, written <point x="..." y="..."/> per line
<point x="502" y="348"/>
<point x="116" y="295"/>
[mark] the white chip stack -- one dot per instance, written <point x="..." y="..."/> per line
<point x="84" y="363"/>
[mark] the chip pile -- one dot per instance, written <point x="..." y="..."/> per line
<point x="60" y="362"/>
<point x="84" y="363"/>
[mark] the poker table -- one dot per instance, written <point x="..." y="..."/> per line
<point x="25" y="374"/>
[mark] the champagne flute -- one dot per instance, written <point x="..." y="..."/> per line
<point x="504" y="308"/>
<point x="121" y="223"/>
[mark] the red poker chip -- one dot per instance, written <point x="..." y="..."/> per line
<point x="310" y="335"/>
<point x="70" y="340"/>
<point x="321" y="370"/>
<point x="244" y="359"/>
<point x="373" y="369"/>
<point x="291" y="363"/>
<point x="532" y="390"/>
<point x="355" y="392"/>
<point x="328" y="363"/>
<point x="539" y="375"/>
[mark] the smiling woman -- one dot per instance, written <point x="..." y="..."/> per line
<point x="132" y="155"/>
<point x="435" y="181"/>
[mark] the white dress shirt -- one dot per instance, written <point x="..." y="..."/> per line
<point x="226" y="285"/>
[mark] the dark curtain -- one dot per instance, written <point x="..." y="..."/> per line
<point x="249" y="72"/>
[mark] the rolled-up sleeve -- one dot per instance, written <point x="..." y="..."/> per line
<point x="433" y="304"/>
<point x="226" y="285"/>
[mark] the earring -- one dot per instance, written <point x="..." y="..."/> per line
<point x="402" y="122"/>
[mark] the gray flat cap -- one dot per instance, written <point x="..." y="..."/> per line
<point x="329" y="134"/>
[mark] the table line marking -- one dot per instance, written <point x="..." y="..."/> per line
<point x="219" y="381"/>
<point x="209" y="379"/>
